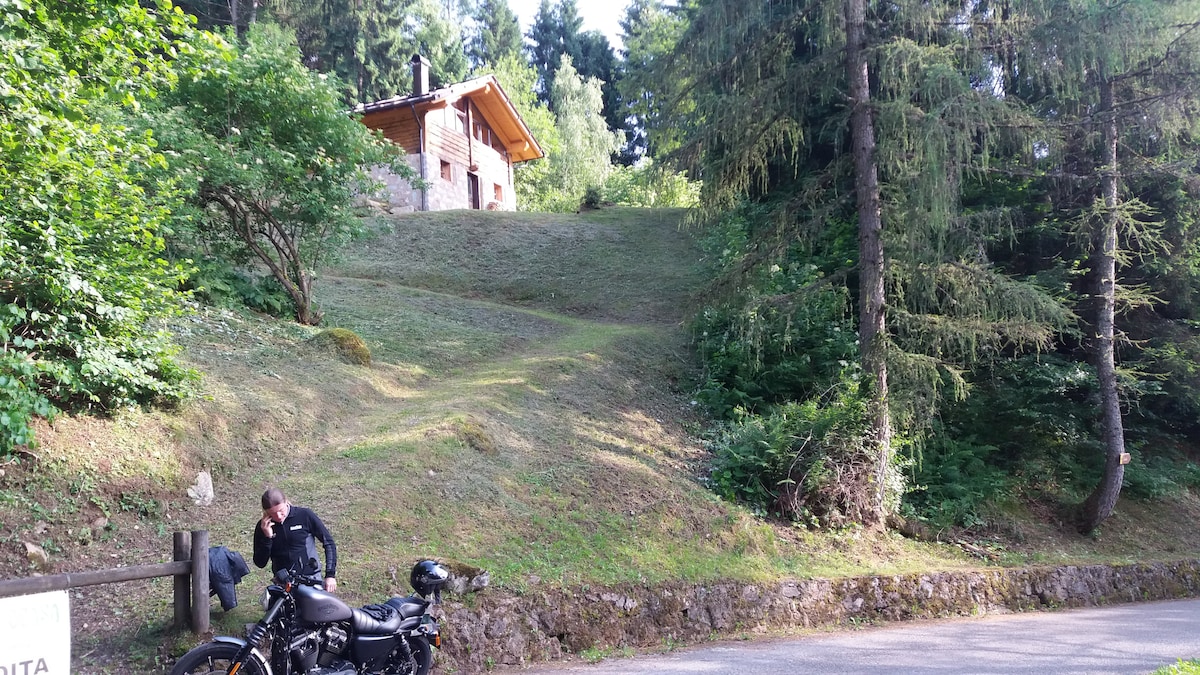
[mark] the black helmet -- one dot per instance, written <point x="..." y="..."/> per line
<point x="428" y="577"/>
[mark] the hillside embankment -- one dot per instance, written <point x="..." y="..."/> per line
<point x="525" y="411"/>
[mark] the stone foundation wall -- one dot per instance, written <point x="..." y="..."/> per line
<point x="399" y="194"/>
<point x="491" y="627"/>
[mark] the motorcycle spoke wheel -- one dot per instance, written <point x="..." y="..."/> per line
<point x="422" y="660"/>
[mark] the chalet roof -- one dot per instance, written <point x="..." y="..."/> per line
<point x="491" y="100"/>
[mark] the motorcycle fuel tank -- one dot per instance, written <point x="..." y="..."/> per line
<point x="317" y="606"/>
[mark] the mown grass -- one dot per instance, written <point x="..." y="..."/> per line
<point x="526" y="411"/>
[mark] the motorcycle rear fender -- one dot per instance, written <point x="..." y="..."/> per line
<point x="427" y="629"/>
<point x="254" y="653"/>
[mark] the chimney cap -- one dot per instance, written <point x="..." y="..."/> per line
<point x="420" y="72"/>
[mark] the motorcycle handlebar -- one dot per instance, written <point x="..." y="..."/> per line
<point x="294" y="576"/>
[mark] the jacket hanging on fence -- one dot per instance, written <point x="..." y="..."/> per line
<point x="225" y="569"/>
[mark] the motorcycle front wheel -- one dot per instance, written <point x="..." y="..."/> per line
<point x="215" y="658"/>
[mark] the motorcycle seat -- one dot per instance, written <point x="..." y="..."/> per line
<point x="376" y="620"/>
<point x="408" y="607"/>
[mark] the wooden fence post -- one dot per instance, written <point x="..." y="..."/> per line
<point x="183" y="582"/>
<point x="200" y="600"/>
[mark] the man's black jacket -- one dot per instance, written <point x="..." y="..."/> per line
<point x="225" y="569"/>
<point x="293" y="545"/>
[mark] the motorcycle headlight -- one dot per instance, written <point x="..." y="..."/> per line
<point x="265" y="599"/>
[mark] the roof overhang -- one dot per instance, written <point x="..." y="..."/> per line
<point x="489" y="97"/>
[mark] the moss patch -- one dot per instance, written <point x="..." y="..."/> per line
<point x="346" y="343"/>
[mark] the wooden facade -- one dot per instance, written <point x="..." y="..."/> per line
<point x="463" y="140"/>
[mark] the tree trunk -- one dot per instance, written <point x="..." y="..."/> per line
<point x="234" y="16"/>
<point x="871" y="329"/>
<point x="1100" y="503"/>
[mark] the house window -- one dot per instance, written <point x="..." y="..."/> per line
<point x="460" y="110"/>
<point x="446" y="175"/>
<point x="498" y="192"/>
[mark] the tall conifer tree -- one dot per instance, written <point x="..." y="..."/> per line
<point x="649" y="33"/>
<point x="545" y="47"/>
<point x="1117" y="83"/>
<point x="834" y="109"/>
<point x="499" y="35"/>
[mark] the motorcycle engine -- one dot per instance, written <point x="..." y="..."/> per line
<point x="334" y="638"/>
<point x="339" y="668"/>
<point x="303" y="649"/>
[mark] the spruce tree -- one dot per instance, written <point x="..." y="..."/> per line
<point x="828" y="110"/>
<point x="649" y="33"/>
<point x="545" y="48"/>
<point x="1116" y="83"/>
<point x="499" y="33"/>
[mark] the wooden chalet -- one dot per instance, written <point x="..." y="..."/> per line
<point x="462" y="139"/>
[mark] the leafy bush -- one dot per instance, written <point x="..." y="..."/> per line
<point x="956" y="480"/>
<point x="82" y="275"/>
<point x="19" y="403"/>
<point x="592" y="197"/>
<point x="757" y="354"/>
<point x="648" y="185"/>
<point x="1159" y="476"/>
<point x="218" y="283"/>
<point x="808" y="461"/>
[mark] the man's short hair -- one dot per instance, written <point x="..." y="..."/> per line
<point x="273" y="497"/>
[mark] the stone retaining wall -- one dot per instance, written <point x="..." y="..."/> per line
<point x="490" y="627"/>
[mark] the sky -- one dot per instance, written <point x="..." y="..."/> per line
<point x="601" y="15"/>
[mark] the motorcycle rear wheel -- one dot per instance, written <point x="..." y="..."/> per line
<point x="422" y="655"/>
<point x="214" y="658"/>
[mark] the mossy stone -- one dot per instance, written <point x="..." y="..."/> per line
<point x="347" y="343"/>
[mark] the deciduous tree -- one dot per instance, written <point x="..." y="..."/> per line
<point x="586" y="142"/>
<point x="272" y="161"/>
<point x="83" y="280"/>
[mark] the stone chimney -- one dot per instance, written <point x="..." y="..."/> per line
<point x="420" y="68"/>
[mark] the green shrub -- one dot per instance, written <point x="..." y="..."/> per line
<point x="807" y="461"/>
<point x="649" y="186"/>
<point x="756" y="354"/>
<point x="955" y="481"/>
<point x="83" y="282"/>
<point x="1029" y="426"/>
<point x="1159" y="476"/>
<point x="592" y="197"/>
<point x="217" y="282"/>
<point x="19" y="404"/>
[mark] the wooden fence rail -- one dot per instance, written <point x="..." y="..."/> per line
<point x="191" y="597"/>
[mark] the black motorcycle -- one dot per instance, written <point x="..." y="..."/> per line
<point x="307" y="631"/>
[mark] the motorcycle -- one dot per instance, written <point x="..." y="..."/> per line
<point x="307" y="631"/>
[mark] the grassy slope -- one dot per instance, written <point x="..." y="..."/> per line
<point x="525" y="412"/>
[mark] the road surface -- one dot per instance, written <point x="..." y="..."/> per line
<point x="1136" y="638"/>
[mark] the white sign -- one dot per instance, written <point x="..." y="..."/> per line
<point x="35" y="634"/>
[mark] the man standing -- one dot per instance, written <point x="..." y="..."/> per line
<point x="284" y="536"/>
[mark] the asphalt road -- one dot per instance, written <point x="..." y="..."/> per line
<point x="1135" y="638"/>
